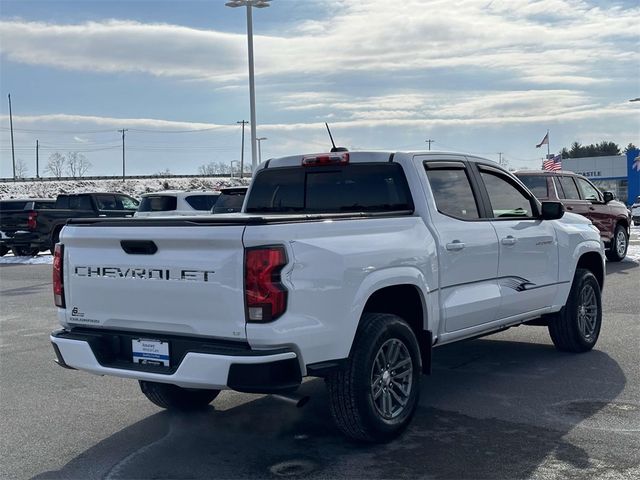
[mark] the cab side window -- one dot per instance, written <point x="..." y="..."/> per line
<point x="507" y="200"/>
<point x="569" y="188"/>
<point x="452" y="192"/>
<point x="589" y="192"/>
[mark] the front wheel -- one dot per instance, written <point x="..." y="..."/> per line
<point x="577" y="326"/>
<point x="619" y="244"/>
<point x="374" y="396"/>
<point x="173" y="397"/>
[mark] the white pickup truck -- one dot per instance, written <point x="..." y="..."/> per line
<point x="350" y="266"/>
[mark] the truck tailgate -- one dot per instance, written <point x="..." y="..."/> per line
<point x="192" y="284"/>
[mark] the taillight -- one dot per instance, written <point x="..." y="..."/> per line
<point x="58" y="286"/>
<point x="32" y="220"/>
<point x="265" y="295"/>
<point x="325" y="159"/>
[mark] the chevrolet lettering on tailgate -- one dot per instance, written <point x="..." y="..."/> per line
<point x="144" y="273"/>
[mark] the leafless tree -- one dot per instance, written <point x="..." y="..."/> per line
<point x="55" y="165"/>
<point x="21" y="169"/>
<point x="77" y="164"/>
<point x="214" y="168"/>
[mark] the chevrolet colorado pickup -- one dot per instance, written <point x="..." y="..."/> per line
<point x="350" y="266"/>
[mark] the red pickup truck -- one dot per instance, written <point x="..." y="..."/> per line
<point x="579" y="195"/>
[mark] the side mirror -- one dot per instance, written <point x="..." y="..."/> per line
<point x="608" y="196"/>
<point x="552" y="210"/>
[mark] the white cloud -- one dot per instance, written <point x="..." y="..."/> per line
<point x="544" y="41"/>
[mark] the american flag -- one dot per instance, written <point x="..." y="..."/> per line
<point x="554" y="163"/>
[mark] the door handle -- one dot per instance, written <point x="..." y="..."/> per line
<point x="569" y="207"/>
<point x="455" y="246"/>
<point x="592" y="209"/>
<point x="509" y="240"/>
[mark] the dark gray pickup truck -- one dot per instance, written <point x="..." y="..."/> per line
<point x="36" y="226"/>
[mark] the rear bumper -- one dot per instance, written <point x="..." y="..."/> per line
<point x="199" y="364"/>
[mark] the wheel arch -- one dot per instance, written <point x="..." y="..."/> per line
<point x="592" y="261"/>
<point x="405" y="300"/>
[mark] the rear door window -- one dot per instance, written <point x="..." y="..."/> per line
<point x="201" y="202"/>
<point x="452" y="192"/>
<point x="358" y="187"/>
<point x="158" y="203"/>
<point x="537" y="184"/>
<point x="80" y="202"/>
<point x="569" y="188"/>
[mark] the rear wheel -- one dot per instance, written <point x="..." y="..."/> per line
<point x="25" y="251"/>
<point x="173" y="397"/>
<point x="577" y="326"/>
<point x="619" y="244"/>
<point x="374" y="397"/>
<point x="3" y="251"/>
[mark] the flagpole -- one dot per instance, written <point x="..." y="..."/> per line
<point x="548" y="147"/>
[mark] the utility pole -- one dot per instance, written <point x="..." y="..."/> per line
<point x="37" y="159"/>
<point x="503" y="162"/>
<point x="243" y="122"/>
<point x="259" y="140"/>
<point x="13" y="153"/>
<point x="429" y="141"/>
<point x="123" y="170"/>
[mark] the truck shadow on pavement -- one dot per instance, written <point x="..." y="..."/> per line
<point x="491" y="409"/>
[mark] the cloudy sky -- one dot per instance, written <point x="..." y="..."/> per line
<point x="481" y="76"/>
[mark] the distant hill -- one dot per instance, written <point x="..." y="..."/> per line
<point x="133" y="187"/>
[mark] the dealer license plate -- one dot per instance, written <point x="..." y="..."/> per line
<point x="150" y="352"/>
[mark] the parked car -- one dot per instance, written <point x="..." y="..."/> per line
<point x="350" y="266"/>
<point x="176" y="203"/>
<point x="635" y="211"/>
<point x="18" y="217"/>
<point x="231" y="200"/>
<point x="41" y="230"/>
<point x="579" y="195"/>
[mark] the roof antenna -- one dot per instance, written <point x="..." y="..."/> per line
<point x="334" y="148"/>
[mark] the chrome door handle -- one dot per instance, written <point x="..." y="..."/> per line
<point x="455" y="246"/>
<point x="509" y="240"/>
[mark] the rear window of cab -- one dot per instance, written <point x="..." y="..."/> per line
<point x="158" y="203"/>
<point x="537" y="184"/>
<point x="356" y="187"/>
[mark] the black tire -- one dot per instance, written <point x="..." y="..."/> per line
<point x="173" y="397"/>
<point x="569" y="329"/>
<point x="619" y="244"/>
<point x="3" y="251"/>
<point x="25" y="251"/>
<point x="351" y="389"/>
<point x="55" y="238"/>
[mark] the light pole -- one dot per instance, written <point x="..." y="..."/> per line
<point x="260" y="149"/>
<point x="252" y="93"/>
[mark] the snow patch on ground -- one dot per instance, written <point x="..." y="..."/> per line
<point x="133" y="187"/>
<point x="633" y="253"/>
<point x="42" y="259"/>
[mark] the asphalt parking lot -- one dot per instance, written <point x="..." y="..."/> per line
<point x="506" y="406"/>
